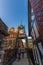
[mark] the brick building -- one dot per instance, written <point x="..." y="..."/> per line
<point x="37" y="6"/>
<point x="37" y="29"/>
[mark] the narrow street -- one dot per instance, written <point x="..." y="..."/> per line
<point x="22" y="61"/>
<point x="21" y="32"/>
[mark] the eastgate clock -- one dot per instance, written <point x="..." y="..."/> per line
<point x="21" y="31"/>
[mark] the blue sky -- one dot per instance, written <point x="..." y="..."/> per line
<point x="12" y="12"/>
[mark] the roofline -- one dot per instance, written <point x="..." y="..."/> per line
<point x="3" y="22"/>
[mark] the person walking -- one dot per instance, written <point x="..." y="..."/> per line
<point x="19" y="52"/>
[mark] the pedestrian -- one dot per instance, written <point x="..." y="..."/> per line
<point x="19" y="52"/>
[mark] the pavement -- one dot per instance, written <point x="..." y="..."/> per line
<point x="22" y="61"/>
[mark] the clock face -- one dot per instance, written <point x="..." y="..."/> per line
<point x="21" y="31"/>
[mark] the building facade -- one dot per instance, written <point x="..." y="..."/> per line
<point x="3" y="32"/>
<point x="37" y="28"/>
<point x="11" y="40"/>
<point x="36" y="40"/>
<point x="34" y="26"/>
<point x="37" y="6"/>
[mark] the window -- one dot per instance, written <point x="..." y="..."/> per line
<point x="10" y="42"/>
<point x="11" y="35"/>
